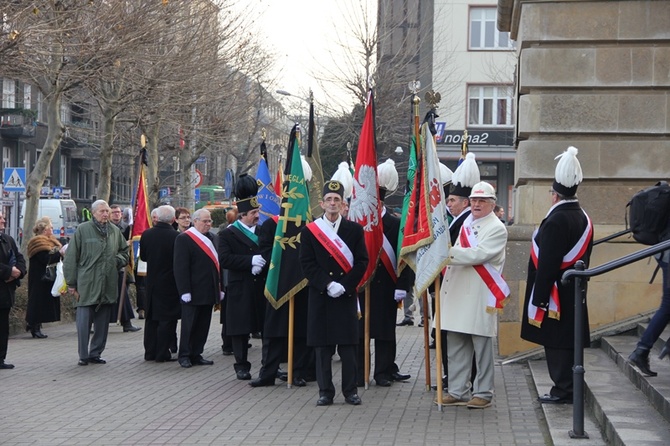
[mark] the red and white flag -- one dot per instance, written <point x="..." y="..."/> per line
<point x="365" y="207"/>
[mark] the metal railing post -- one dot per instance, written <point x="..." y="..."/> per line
<point x="578" y="368"/>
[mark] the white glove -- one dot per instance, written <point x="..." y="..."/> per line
<point x="186" y="298"/>
<point x="400" y="295"/>
<point x="335" y="289"/>
<point x="258" y="261"/>
<point x="222" y="295"/>
<point x="256" y="270"/>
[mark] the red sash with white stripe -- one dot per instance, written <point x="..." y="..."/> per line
<point x="388" y="258"/>
<point x="536" y="314"/>
<point x="332" y="242"/>
<point x="205" y="244"/>
<point x="498" y="289"/>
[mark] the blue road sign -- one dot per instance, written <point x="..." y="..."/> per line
<point x="14" y="179"/>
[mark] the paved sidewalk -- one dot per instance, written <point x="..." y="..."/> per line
<point x="49" y="399"/>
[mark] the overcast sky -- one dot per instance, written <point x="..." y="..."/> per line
<point x="305" y="36"/>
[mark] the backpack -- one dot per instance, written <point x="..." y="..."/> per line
<point x="648" y="214"/>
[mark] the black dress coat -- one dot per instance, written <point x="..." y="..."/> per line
<point x="276" y="321"/>
<point x="384" y="308"/>
<point x="9" y="256"/>
<point x="42" y="306"/>
<point x="245" y="301"/>
<point x="157" y="250"/>
<point x="557" y="235"/>
<point x="455" y="226"/>
<point x="195" y="272"/>
<point x="333" y="321"/>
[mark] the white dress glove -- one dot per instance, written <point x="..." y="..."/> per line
<point x="256" y="270"/>
<point x="222" y="295"/>
<point x="186" y="298"/>
<point x="258" y="261"/>
<point x="335" y="289"/>
<point x="400" y="295"/>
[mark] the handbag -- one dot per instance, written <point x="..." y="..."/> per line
<point x="50" y="273"/>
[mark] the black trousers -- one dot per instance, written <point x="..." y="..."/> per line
<point x="195" y="321"/>
<point x="324" y="369"/>
<point x="4" y="332"/>
<point x="158" y="338"/>
<point x="559" y="363"/>
<point x="384" y="359"/>
<point x="240" y="350"/>
<point x="274" y="352"/>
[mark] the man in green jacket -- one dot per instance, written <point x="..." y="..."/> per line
<point x="92" y="261"/>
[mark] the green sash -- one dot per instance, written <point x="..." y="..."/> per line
<point x="243" y="229"/>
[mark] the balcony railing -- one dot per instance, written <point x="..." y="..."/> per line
<point x="16" y="125"/>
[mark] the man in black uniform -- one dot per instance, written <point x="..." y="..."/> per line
<point x="127" y="315"/>
<point x="386" y="291"/>
<point x="163" y="306"/>
<point x="197" y="275"/>
<point x="240" y="255"/>
<point x="334" y="258"/>
<point x="564" y="237"/>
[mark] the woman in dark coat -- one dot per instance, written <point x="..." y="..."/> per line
<point x="43" y="249"/>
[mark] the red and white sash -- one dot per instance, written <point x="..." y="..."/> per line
<point x="388" y="258"/>
<point x="332" y="242"/>
<point x="536" y="314"/>
<point x="205" y="244"/>
<point x="498" y="289"/>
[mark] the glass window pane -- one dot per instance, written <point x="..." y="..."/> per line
<point x="502" y="111"/>
<point x="488" y="92"/>
<point x="487" y="119"/>
<point x="490" y="32"/>
<point x="475" y="35"/>
<point x="503" y="40"/>
<point x="473" y="118"/>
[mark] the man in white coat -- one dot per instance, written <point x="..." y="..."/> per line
<point x="472" y="293"/>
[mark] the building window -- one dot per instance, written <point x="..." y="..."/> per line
<point x="490" y="106"/>
<point x="483" y="32"/>
<point x="8" y="93"/>
<point x="63" y="170"/>
<point x="27" y="97"/>
<point x="6" y="157"/>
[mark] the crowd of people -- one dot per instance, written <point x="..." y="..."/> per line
<point x="190" y="271"/>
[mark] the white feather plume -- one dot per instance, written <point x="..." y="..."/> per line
<point x="467" y="174"/>
<point x="306" y="170"/>
<point x="568" y="169"/>
<point x="343" y="175"/>
<point x="387" y="175"/>
<point x="445" y="174"/>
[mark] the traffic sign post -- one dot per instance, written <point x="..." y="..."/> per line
<point x="14" y="180"/>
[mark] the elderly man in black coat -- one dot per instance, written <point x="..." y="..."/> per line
<point x="197" y="275"/>
<point x="163" y="305"/>
<point x="334" y="258"/>
<point x="245" y="303"/>
<point x="12" y="269"/>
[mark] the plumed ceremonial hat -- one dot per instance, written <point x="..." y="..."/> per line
<point x="387" y="176"/>
<point x="306" y="169"/>
<point x="333" y="187"/>
<point x="465" y="176"/>
<point x="246" y="189"/>
<point x="568" y="173"/>
<point x="344" y="177"/>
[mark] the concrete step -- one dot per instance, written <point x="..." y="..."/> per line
<point x="625" y="414"/>
<point x="655" y="388"/>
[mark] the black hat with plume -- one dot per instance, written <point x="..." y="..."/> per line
<point x="245" y="191"/>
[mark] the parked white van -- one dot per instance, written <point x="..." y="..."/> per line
<point x="63" y="214"/>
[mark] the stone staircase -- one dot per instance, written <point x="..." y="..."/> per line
<point x="622" y="407"/>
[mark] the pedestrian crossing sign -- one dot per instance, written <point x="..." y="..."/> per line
<point x="14" y="179"/>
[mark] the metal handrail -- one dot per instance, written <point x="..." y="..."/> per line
<point x="611" y="237"/>
<point x="580" y="274"/>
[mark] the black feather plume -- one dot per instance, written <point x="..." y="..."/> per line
<point x="246" y="187"/>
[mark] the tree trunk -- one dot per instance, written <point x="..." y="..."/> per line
<point x="106" y="153"/>
<point x="37" y="176"/>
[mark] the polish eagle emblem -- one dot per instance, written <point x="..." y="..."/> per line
<point x="365" y="198"/>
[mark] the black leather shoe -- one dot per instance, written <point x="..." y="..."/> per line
<point x="299" y="382"/>
<point x="202" y="361"/>
<point x="131" y="328"/>
<point x="258" y="382"/>
<point x="6" y="366"/>
<point x="551" y="399"/>
<point x="354" y="400"/>
<point x="243" y="375"/>
<point x="405" y="322"/>
<point x="324" y="401"/>
<point x="185" y="362"/>
<point x="282" y="375"/>
<point x="383" y="382"/>
<point x="432" y="345"/>
<point x="82" y="362"/>
<point x="397" y="376"/>
<point x="97" y="360"/>
<point x="640" y="358"/>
